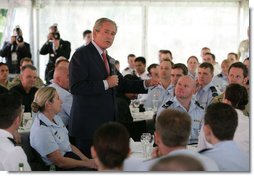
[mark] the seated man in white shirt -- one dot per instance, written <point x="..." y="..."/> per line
<point x="61" y="84"/>
<point x="220" y="125"/>
<point x="12" y="156"/>
<point x="171" y="135"/>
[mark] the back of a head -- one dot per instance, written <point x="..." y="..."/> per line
<point x="111" y="142"/>
<point x="10" y="109"/>
<point x="237" y="95"/>
<point x="222" y="119"/>
<point x="43" y="95"/>
<point x="178" y="163"/>
<point x="174" y="127"/>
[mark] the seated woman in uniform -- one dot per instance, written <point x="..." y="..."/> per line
<point x="49" y="136"/>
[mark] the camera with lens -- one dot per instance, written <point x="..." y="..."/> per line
<point x="56" y="35"/>
<point x="19" y="38"/>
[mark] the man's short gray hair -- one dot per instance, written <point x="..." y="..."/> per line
<point x="99" y="22"/>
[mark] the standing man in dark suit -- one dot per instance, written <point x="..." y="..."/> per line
<point x="93" y="83"/>
<point x="55" y="47"/>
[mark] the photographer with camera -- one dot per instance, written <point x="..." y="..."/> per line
<point x="55" y="47"/>
<point x="15" y="50"/>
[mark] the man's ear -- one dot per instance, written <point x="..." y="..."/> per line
<point x="93" y="152"/>
<point x="207" y="132"/>
<point x="156" y="138"/>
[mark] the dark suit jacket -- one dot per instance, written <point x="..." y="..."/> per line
<point x="92" y="104"/>
<point x="21" y="52"/>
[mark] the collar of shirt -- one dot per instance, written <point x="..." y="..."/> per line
<point x="98" y="48"/>
<point x="5" y="134"/>
<point x="178" y="104"/>
<point x="45" y="120"/>
<point x="207" y="87"/>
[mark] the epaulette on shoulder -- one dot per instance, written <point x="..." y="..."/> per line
<point x="167" y="104"/>
<point x="42" y="123"/>
<point x="204" y="150"/>
<point x="220" y="75"/>
<point x="214" y="91"/>
<point x="127" y="68"/>
<point x="197" y="103"/>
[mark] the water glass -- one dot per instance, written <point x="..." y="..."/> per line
<point x="147" y="144"/>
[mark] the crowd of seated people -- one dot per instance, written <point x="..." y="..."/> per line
<point x="189" y="91"/>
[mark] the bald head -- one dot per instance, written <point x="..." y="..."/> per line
<point x="61" y="75"/>
<point x="185" y="87"/>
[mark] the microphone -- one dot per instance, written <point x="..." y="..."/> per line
<point x="112" y="62"/>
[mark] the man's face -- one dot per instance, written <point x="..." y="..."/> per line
<point x="175" y="75"/>
<point x="105" y="36"/>
<point x="208" y="58"/>
<point x="88" y="38"/>
<point x="164" y="56"/>
<point x="4" y="72"/>
<point x="232" y="58"/>
<point x="131" y="62"/>
<point x="154" y="73"/>
<point x="165" y="70"/>
<point x="204" y="76"/>
<point x="224" y="68"/>
<point x="28" y="78"/>
<point x="185" y="87"/>
<point x="235" y="75"/>
<point x="140" y="67"/>
<point x="204" y="51"/>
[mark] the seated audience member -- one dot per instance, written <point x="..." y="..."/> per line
<point x="232" y="57"/>
<point x="49" y="137"/>
<point x="178" y="163"/>
<point x="221" y="80"/>
<point x="123" y="103"/>
<point x="237" y="73"/>
<point x="204" y="50"/>
<point x="165" y="55"/>
<point x="206" y="89"/>
<point x="177" y="71"/>
<point x="153" y="71"/>
<point x="4" y="73"/>
<point x="61" y="84"/>
<point x="192" y="64"/>
<point x="246" y="62"/>
<point x="184" y="101"/>
<point x="12" y="156"/>
<point x="26" y="88"/>
<point x="165" y="89"/>
<point x="26" y="61"/>
<point x="220" y="125"/>
<point x="131" y="68"/>
<point x="110" y="146"/>
<point x="236" y="96"/>
<point x="171" y="136"/>
<point x="210" y="58"/>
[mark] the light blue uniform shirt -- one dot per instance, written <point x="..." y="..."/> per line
<point x="162" y="95"/>
<point x="228" y="156"/>
<point x="205" y="95"/>
<point x="195" y="112"/>
<point x="47" y="137"/>
<point x="67" y="99"/>
<point x="220" y="81"/>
